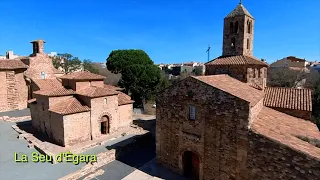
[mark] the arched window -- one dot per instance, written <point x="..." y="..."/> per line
<point x="233" y="42"/>
<point x="249" y="26"/>
<point x="248" y="44"/>
<point x="231" y="27"/>
<point x="236" y="27"/>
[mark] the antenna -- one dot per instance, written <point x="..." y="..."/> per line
<point x="208" y="51"/>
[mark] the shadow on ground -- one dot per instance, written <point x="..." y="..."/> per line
<point x="139" y="152"/>
<point x="27" y="127"/>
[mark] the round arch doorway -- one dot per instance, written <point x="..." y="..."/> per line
<point x="191" y="164"/>
<point x="105" y="125"/>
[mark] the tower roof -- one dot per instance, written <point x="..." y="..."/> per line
<point x="240" y="10"/>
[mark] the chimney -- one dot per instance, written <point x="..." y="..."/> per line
<point x="38" y="46"/>
<point x="9" y="55"/>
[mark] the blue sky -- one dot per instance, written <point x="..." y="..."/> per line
<point x="170" y="31"/>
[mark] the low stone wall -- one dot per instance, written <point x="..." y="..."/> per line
<point x="102" y="159"/>
<point x="14" y="119"/>
<point x="268" y="159"/>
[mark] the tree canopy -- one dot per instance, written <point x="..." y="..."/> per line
<point x="140" y="76"/>
<point x="69" y="63"/>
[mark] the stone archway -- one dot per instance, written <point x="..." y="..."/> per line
<point x="191" y="165"/>
<point x="105" y="125"/>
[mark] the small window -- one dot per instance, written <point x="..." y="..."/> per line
<point x="248" y="44"/>
<point x="236" y="27"/>
<point x="192" y="113"/>
<point x="231" y="27"/>
<point x="233" y="42"/>
<point x="43" y="75"/>
<point x="105" y="100"/>
<point x="249" y="27"/>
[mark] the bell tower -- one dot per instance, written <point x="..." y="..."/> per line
<point x="238" y="32"/>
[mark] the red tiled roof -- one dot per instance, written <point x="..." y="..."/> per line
<point x="284" y="129"/>
<point x="57" y="71"/>
<point x="233" y="86"/>
<point x="114" y="88"/>
<point x="82" y="75"/>
<point x="95" y="92"/>
<point x="124" y="99"/>
<point x="55" y="92"/>
<point x="12" y="64"/>
<point x="236" y="60"/>
<point x="255" y="85"/>
<point x="69" y="106"/>
<point x="45" y="84"/>
<point x="289" y="98"/>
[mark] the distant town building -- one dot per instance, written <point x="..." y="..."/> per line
<point x="290" y="62"/>
<point x="9" y="55"/>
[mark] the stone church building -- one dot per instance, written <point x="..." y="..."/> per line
<point x="230" y="125"/>
<point x="18" y="76"/>
<point x="79" y="108"/>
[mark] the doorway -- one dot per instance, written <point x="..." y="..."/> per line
<point x="104" y="125"/>
<point x="191" y="165"/>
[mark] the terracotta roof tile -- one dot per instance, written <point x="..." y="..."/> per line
<point x="124" y="99"/>
<point x="289" y="98"/>
<point x="69" y="106"/>
<point x="94" y="92"/>
<point x="55" y="92"/>
<point x="236" y="60"/>
<point x="233" y="86"/>
<point x="12" y="64"/>
<point x="255" y="85"/>
<point x="82" y="75"/>
<point x="114" y="88"/>
<point x="47" y="83"/>
<point x="284" y="129"/>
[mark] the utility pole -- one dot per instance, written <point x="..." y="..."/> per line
<point x="208" y="51"/>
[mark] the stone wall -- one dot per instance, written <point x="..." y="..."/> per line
<point x="97" y="83"/>
<point x="100" y="108"/>
<point x="43" y="113"/>
<point x="12" y="92"/>
<point x="22" y="90"/>
<point x="57" y="128"/>
<point x="40" y="63"/>
<point x="297" y="113"/>
<point x="269" y="160"/>
<point x="3" y="92"/>
<point x="218" y="135"/>
<point x="35" y="116"/>
<point x="77" y="128"/>
<point x="125" y="115"/>
<point x="241" y="36"/>
<point x="257" y="75"/>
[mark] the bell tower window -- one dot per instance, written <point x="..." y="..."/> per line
<point x="249" y="27"/>
<point x="248" y="44"/>
<point x="231" y="27"/>
<point x="233" y="42"/>
<point x="236" y="27"/>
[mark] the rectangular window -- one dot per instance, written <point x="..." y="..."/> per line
<point x="248" y="44"/>
<point x="105" y="100"/>
<point x="192" y="113"/>
<point x="43" y="75"/>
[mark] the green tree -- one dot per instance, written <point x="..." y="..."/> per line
<point x="67" y="62"/>
<point x="140" y="76"/>
<point x="88" y="66"/>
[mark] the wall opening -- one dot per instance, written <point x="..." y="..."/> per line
<point x="191" y="164"/>
<point x="231" y="27"/>
<point x="248" y="44"/>
<point x="236" y="27"/>
<point x="249" y="27"/>
<point x="105" y="125"/>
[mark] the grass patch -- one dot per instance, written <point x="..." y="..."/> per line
<point x="315" y="142"/>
